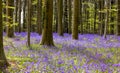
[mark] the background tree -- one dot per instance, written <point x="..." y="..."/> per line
<point x="107" y="17"/>
<point x="81" y="28"/>
<point x="9" y="13"/>
<point x="16" y="15"/>
<point x="65" y="16"/>
<point x="118" y="19"/>
<point x="60" y="17"/>
<point x="24" y="15"/>
<point x="28" y="21"/>
<point x="19" y="17"/>
<point x="47" y="37"/>
<point x="3" y="60"/>
<point x="69" y="15"/>
<point x="39" y="16"/>
<point x="75" y="19"/>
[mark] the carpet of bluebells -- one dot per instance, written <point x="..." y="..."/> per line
<point x="90" y="54"/>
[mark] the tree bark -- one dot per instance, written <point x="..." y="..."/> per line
<point x="24" y="16"/>
<point x="9" y="13"/>
<point x="19" y="13"/>
<point x="39" y="16"/>
<point x="3" y="60"/>
<point x="75" y="19"/>
<point x="118" y="19"/>
<point x="60" y="17"/>
<point x="47" y="37"/>
<point x="107" y="18"/>
<point x="28" y="21"/>
<point x="69" y="15"/>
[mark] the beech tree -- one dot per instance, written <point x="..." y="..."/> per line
<point x="60" y="17"/>
<point x="19" y="17"/>
<point x="39" y="16"/>
<point x="75" y="19"/>
<point x="118" y="19"/>
<point x="9" y="13"/>
<point x="47" y="37"/>
<point x="28" y="21"/>
<point x="3" y="60"/>
<point x="69" y="15"/>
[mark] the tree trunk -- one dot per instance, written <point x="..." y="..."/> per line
<point x="39" y="16"/>
<point x="60" y="17"/>
<point x="19" y="13"/>
<point x="107" y="18"/>
<point x="101" y="17"/>
<point x="75" y="19"/>
<point x="16" y="15"/>
<point x="3" y="60"/>
<point x="28" y="21"/>
<point x="118" y="19"/>
<point x="69" y="15"/>
<point x="47" y="37"/>
<point x="65" y="17"/>
<point x="81" y="24"/>
<point x="24" y="16"/>
<point x="9" y="13"/>
<point x="95" y="16"/>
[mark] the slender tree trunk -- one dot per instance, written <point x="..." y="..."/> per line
<point x="4" y="19"/>
<point x="47" y="37"/>
<point x="69" y="15"/>
<point x="28" y="21"/>
<point x="3" y="60"/>
<point x="56" y="15"/>
<point x="118" y="19"/>
<point x="16" y="15"/>
<point x="75" y="19"/>
<point x="24" y="15"/>
<point x="55" y="18"/>
<point x="65" y="17"/>
<point x="101" y="17"/>
<point x="81" y="24"/>
<point x="95" y="16"/>
<point x="9" y="13"/>
<point x="39" y="16"/>
<point x="19" y="13"/>
<point x="107" y="18"/>
<point x="60" y="17"/>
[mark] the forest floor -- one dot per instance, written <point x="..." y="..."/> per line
<point x="90" y="54"/>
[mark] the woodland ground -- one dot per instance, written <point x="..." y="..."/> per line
<point x="90" y="54"/>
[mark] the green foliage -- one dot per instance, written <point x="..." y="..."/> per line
<point x="34" y="2"/>
<point x="10" y="7"/>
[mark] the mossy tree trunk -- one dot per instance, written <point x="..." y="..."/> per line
<point x="3" y="60"/>
<point x="75" y="19"/>
<point x="60" y="17"/>
<point x="47" y="37"/>
<point x="9" y="13"/>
